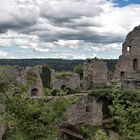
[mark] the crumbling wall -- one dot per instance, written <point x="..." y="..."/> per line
<point x="87" y="111"/>
<point x="71" y="81"/>
<point x="127" y="73"/>
<point x="29" y="76"/>
<point x="94" y="73"/>
<point x="37" y="84"/>
<point x="15" y="75"/>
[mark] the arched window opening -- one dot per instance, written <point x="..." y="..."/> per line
<point x="34" y="92"/>
<point x="63" y="87"/>
<point x="129" y="49"/>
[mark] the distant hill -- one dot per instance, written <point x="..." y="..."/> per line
<point x="57" y="64"/>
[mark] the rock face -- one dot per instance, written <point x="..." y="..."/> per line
<point x="127" y="72"/>
<point x="88" y="111"/>
<point x="71" y="81"/>
<point x="94" y="73"/>
<point x="2" y="125"/>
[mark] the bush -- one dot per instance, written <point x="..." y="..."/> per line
<point x="124" y="108"/>
<point x="101" y="135"/>
<point x="88" y="131"/>
<point x="36" y="119"/>
<point x="79" y="69"/>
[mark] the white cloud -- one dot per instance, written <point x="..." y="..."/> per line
<point x="66" y="28"/>
<point x="3" y="54"/>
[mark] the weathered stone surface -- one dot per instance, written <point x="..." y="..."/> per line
<point x="87" y="111"/>
<point x="128" y="67"/>
<point x="113" y="135"/>
<point x="15" y="75"/>
<point x="71" y="81"/>
<point x="94" y="73"/>
<point x="37" y="85"/>
<point x="20" y="76"/>
<point x="2" y="125"/>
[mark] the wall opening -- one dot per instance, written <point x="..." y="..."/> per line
<point x="135" y="64"/>
<point x="122" y="74"/>
<point x="34" y="92"/>
<point x="63" y="87"/>
<point x="87" y="109"/>
<point x="137" y="84"/>
<point x="129" y="49"/>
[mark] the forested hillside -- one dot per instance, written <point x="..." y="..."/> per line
<point x="57" y="64"/>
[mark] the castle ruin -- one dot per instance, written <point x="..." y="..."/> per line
<point x="94" y="73"/>
<point x="127" y="73"/>
<point x="65" y="80"/>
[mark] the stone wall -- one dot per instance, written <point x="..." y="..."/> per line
<point x="37" y="84"/>
<point x="127" y="71"/>
<point x="15" y="75"/>
<point x="87" y="111"/>
<point x="20" y="76"/>
<point x="71" y="81"/>
<point x="94" y="73"/>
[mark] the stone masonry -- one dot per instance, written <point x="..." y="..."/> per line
<point x="127" y="72"/>
<point x="94" y="73"/>
<point x="87" y="111"/>
<point x="36" y="88"/>
<point x="20" y="76"/>
<point x="71" y="81"/>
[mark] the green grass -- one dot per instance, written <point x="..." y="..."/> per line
<point x="64" y="74"/>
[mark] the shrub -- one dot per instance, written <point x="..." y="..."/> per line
<point x="101" y="135"/>
<point x="36" y="119"/>
<point x="79" y="69"/>
<point x="124" y="108"/>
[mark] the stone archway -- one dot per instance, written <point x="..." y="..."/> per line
<point x="63" y="87"/>
<point x="34" y="92"/>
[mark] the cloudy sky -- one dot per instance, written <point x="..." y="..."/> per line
<point x="69" y="29"/>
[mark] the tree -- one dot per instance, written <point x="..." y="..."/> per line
<point x="46" y="76"/>
<point x="79" y="69"/>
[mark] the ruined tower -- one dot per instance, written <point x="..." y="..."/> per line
<point x="127" y="71"/>
<point x="94" y="73"/>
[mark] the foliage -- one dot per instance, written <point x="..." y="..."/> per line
<point x="88" y="131"/>
<point x="124" y="107"/>
<point x="64" y="74"/>
<point x="31" y="77"/>
<point x="79" y="69"/>
<point x="57" y="92"/>
<point x="16" y="136"/>
<point x="101" y="135"/>
<point x="36" y="119"/>
<point x="5" y="86"/>
<point x="46" y="76"/>
<point x="126" y="114"/>
<point x="52" y="92"/>
<point x="57" y="64"/>
<point x="7" y="67"/>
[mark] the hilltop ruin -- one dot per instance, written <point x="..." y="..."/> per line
<point x="94" y="73"/>
<point x="127" y="71"/>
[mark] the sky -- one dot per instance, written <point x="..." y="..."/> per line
<point x="68" y="29"/>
